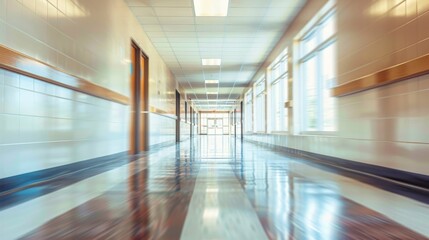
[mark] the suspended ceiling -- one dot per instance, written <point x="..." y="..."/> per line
<point x="242" y="41"/>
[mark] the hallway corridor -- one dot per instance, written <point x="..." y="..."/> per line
<point x="214" y="119"/>
<point x="213" y="187"/>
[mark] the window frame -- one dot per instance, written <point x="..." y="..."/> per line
<point x="259" y="94"/>
<point x="282" y="78"/>
<point x="248" y="101"/>
<point x="315" y="30"/>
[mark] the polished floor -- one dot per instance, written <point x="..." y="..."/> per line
<point x="216" y="187"/>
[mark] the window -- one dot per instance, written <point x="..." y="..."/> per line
<point x="278" y="80"/>
<point x="203" y="123"/>
<point x="317" y="71"/>
<point x="248" y="121"/>
<point x="259" y="108"/>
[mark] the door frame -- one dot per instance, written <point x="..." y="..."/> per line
<point x="177" y="116"/>
<point x="139" y="94"/>
<point x="144" y="101"/>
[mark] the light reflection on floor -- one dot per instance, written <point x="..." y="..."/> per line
<point x="216" y="187"/>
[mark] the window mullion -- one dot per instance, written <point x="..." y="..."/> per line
<point x="282" y="110"/>
<point x="304" y="117"/>
<point x="320" y="104"/>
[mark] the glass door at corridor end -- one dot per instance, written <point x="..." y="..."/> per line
<point x="214" y="126"/>
<point x="214" y="123"/>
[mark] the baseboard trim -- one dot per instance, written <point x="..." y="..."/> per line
<point x="22" y="181"/>
<point x="412" y="185"/>
<point x="162" y="145"/>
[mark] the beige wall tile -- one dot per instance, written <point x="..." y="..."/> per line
<point x="387" y="126"/>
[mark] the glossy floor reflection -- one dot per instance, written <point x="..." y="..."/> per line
<point x="295" y="200"/>
<point x="215" y="187"/>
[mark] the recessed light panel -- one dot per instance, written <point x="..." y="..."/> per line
<point x="212" y="81"/>
<point x="211" y="8"/>
<point x="211" y="93"/>
<point x="211" y="62"/>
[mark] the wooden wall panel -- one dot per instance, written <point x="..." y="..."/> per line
<point x="25" y="65"/>
<point x="144" y="103"/>
<point x="410" y="69"/>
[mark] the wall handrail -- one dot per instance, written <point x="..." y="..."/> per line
<point x="22" y="64"/>
<point x="413" y="68"/>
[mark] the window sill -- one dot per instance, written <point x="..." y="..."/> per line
<point x="280" y="133"/>
<point x="259" y="133"/>
<point x="318" y="133"/>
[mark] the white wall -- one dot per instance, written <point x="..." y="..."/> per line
<point x="42" y="125"/>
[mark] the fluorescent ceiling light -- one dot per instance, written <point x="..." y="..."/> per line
<point x="212" y="190"/>
<point x="214" y="100"/>
<point x="216" y="105"/>
<point x="211" y="62"/>
<point x="211" y="93"/>
<point x="211" y="8"/>
<point x="212" y="81"/>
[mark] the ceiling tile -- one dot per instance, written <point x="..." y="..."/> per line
<point x="247" y="3"/>
<point x="171" y="3"/>
<point x="280" y="12"/>
<point x="186" y="49"/>
<point x="210" y="34"/>
<point x="152" y="28"/>
<point x="174" y="12"/>
<point x="211" y="55"/>
<point x="181" y="34"/>
<point x="210" y="45"/>
<point x="156" y="34"/>
<point x="162" y="45"/>
<point x="138" y="3"/>
<point x="242" y="40"/>
<point x="186" y="53"/>
<point x="255" y="20"/>
<point x="210" y="40"/>
<point x="213" y="51"/>
<point x="247" y="12"/>
<point x="143" y="11"/>
<point x="159" y="40"/>
<point x="228" y="45"/>
<point x="184" y="44"/>
<point x="210" y="20"/>
<point x="183" y="40"/>
<point x="148" y="20"/>
<point x="210" y="28"/>
<point x="230" y="39"/>
<point x="241" y="28"/>
<point x="179" y="28"/>
<point x="287" y="4"/>
<point x="176" y="20"/>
